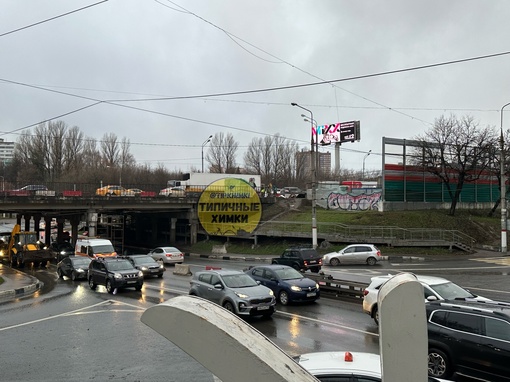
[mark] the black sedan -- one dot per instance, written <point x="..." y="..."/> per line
<point x="287" y="284"/>
<point x="75" y="267"/>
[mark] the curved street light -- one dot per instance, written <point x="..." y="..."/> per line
<point x="365" y="157"/>
<point x="314" y="175"/>
<point x="503" y="186"/>
<point x="203" y="144"/>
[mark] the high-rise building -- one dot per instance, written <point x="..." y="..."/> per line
<point x="6" y="151"/>
<point x="303" y="160"/>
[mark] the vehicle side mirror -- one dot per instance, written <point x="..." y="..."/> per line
<point x="431" y="298"/>
<point x="218" y="286"/>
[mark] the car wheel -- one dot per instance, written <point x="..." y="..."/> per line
<point x="283" y="297"/>
<point x="59" y="273"/>
<point x="375" y="315"/>
<point x="439" y="365"/>
<point x="73" y="276"/>
<point x="92" y="284"/>
<point x="109" y="287"/>
<point x="296" y="267"/>
<point x="371" y="261"/>
<point x="228" y="306"/>
<point x="334" y="261"/>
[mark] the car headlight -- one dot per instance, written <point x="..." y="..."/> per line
<point x="62" y="252"/>
<point x="295" y="288"/>
<point x="80" y="270"/>
<point x="241" y="295"/>
<point x="117" y="275"/>
<point x="161" y="266"/>
<point x="271" y="293"/>
<point x="144" y="268"/>
<point x="140" y="274"/>
<point x="317" y="285"/>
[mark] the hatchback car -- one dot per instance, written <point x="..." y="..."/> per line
<point x="147" y="265"/>
<point x="434" y="288"/>
<point x="354" y="254"/>
<point x="469" y="338"/>
<point x="235" y="291"/>
<point x="287" y="284"/>
<point x="75" y="267"/>
<point x="167" y="255"/>
<point x="114" y="273"/>
<point x="344" y="366"/>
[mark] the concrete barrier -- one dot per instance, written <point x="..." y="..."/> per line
<point x="219" y="249"/>
<point x="182" y="269"/>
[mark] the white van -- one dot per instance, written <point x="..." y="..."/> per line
<point x="93" y="247"/>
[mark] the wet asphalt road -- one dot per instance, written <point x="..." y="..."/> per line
<point x="69" y="332"/>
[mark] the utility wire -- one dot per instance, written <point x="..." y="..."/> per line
<point x="52" y="18"/>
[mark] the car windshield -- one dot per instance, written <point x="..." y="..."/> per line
<point x="239" y="281"/>
<point x="451" y="291"/>
<point x="80" y="261"/>
<point x="288" y="274"/>
<point x="103" y="249"/>
<point x="120" y="266"/>
<point x="144" y="260"/>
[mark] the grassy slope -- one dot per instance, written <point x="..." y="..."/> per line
<point x="475" y="223"/>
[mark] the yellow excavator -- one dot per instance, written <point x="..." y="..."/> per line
<point x="25" y="248"/>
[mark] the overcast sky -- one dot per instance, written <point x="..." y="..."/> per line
<point x="127" y="50"/>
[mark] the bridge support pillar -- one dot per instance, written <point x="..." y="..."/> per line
<point x="92" y="223"/>
<point x="173" y="224"/>
<point x="47" y="230"/>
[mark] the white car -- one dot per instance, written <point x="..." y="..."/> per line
<point x="344" y="366"/>
<point x="167" y="255"/>
<point x="172" y="191"/>
<point x="434" y="288"/>
<point x="353" y="254"/>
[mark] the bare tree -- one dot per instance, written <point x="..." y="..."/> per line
<point x="222" y="153"/>
<point x="110" y="149"/>
<point x="456" y="151"/>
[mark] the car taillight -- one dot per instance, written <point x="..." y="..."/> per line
<point x="378" y="253"/>
<point x="365" y="292"/>
<point x="305" y="263"/>
<point x="320" y="262"/>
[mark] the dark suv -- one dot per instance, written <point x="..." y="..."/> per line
<point x="300" y="258"/>
<point x="113" y="273"/>
<point x="469" y="338"/>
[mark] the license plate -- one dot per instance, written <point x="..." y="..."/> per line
<point x="131" y="282"/>
<point x="313" y="294"/>
<point x="263" y="308"/>
<point x="313" y="261"/>
<point x="155" y="270"/>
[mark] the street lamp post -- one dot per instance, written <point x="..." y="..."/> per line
<point x="503" y="186"/>
<point x="203" y="144"/>
<point x="317" y="167"/>
<point x="314" y="176"/>
<point x="365" y="157"/>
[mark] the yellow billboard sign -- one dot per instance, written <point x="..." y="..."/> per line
<point x="229" y="207"/>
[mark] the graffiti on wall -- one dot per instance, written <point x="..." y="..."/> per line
<point x="360" y="201"/>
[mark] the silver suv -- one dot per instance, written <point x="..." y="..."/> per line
<point x="434" y="288"/>
<point x="235" y="291"/>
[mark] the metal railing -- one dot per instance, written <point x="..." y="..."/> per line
<point x="382" y="233"/>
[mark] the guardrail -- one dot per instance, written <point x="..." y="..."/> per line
<point x="334" y="288"/>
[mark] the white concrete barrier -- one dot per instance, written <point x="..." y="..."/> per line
<point x="219" y="249"/>
<point x="182" y="269"/>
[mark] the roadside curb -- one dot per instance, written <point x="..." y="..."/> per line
<point x="7" y="294"/>
<point x="268" y="259"/>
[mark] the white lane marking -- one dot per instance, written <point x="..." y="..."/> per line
<point x="77" y="312"/>
<point x="325" y="323"/>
